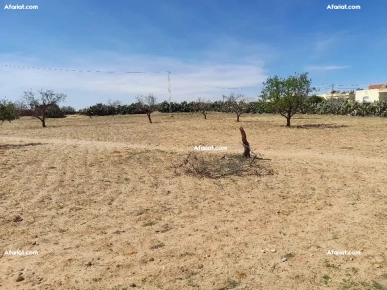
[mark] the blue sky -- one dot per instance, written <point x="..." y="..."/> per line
<point x="203" y="43"/>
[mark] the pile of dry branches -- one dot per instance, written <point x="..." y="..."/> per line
<point x="212" y="166"/>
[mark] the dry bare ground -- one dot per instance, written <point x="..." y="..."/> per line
<point x="101" y="202"/>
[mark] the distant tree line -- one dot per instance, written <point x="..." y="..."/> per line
<point x="284" y="96"/>
<point x="110" y="110"/>
<point x="312" y="105"/>
<point x="166" y="107"/>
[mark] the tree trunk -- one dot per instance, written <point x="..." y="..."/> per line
<point x="149" y="118"/>
<point x="44" y="123"/>
<point x="246" y="144"/>
<point x="287" y="122"/>
<point x="205" y="115"/>
<point x="288" y="119"/>
<point x="238" y="117"/>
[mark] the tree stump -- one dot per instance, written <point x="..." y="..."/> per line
<point x="246" y="145"/>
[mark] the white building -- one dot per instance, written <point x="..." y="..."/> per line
<point x="338" y="96"/>
<point x="372" y="95"/>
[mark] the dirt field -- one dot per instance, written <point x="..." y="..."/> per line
<point x="100" y="201"/>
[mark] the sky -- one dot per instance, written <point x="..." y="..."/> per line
<point x="210" y="47"/>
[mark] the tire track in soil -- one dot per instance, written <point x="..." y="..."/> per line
<point x="62" y="173"/>
<point x="26" y="178"/>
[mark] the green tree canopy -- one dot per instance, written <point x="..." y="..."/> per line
<point x="8" y="111"/>
<point x="286" y="96"/>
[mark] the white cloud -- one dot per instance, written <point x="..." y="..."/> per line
<point x="326" y="45"/>
<point x="322" y="45"/>
<point x="84" y="89"/>
<point x="327" y="68"/>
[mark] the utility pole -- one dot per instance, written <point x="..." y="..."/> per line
<point x="169" y="91"/>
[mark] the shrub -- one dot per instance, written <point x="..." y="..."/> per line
<point x="67" y="110"/>
<point x="8" y="111"/>
<point x="55" y="112"/>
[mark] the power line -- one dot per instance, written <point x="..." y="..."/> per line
<point x="169" y="92"/>
<point x="354" y="85"/>
<point x="76" y="70"/>
<point x="169" y="73"/>
<point x="129" y="72"/>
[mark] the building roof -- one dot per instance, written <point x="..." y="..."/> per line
<point x="379" y="86"/>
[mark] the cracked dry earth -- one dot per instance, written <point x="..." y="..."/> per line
<point x="100" y="202"/>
